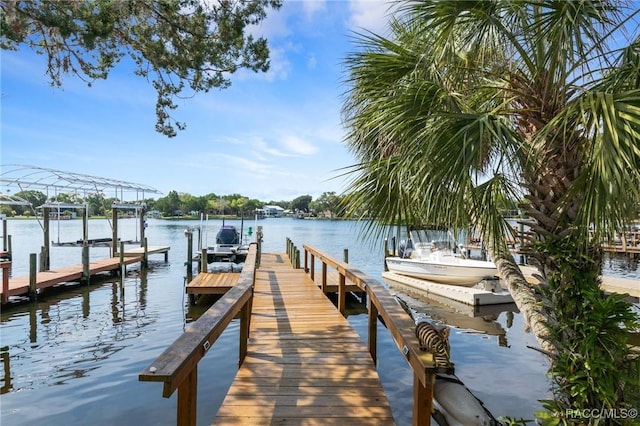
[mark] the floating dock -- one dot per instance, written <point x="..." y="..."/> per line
<point x="468" y="295"/>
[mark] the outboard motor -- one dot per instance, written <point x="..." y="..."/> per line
<point x="404" y="249"/>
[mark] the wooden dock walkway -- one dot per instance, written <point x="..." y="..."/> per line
<point x="19" y="286"/>
<point x="305" y="364"/>
<point x="300" y="361"/>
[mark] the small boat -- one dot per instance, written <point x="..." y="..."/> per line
<point x="228" y="246"/>
<point x="434" y="259"/>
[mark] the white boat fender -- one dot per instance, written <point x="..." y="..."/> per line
<point x="457" y="405"/>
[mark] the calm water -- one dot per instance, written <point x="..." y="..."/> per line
<point x="73" y="358"/>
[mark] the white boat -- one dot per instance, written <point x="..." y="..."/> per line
<point x="435" y="260"/>
<point x="228" y="246"/>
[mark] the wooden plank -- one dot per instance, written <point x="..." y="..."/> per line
<point x="305" y="364"/>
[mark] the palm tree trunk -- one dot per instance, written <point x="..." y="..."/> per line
<point x="525" y="298"/>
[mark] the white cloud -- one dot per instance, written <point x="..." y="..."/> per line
<point x="313" y="7"/>
<point x="298" y="146"/>
<point x="312" y="61"/>
<point x="371" y="15"/>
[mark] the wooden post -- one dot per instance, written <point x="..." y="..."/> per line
<point x="42" y="259"/>
<point x="46" y="260"/>
<point x="342" y="297"/>
<point x="259" y="241"/>
<point x="245" y="315"/>
<point x="297" y="259"/>
<point x="189" y="234"/>
<point x="203" y="260"/>
<point x="187" y="399"/>
<point x="324" y="277"/>
<point x="145" y="256"/>
<point x="6" y="265"/>
<point x="10" y="249"/>
<point x="143" y="223"/>
<point x="33" y="261"/>
<point x="386" y="253"/>
<point x="313" y="267"/>
<point x="287" y="246"/>
<point x="422" y="400"/>
<point x="4" y="234"/>
<point x="114" y="231"/>
<point x="373" y="331"/>
<point x="85" y="262"/>
<point x="85" y="225"/>
<point x="123" y="266"/>
<point x="306" y="264"/>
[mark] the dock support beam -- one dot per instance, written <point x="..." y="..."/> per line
<point x="33" y="261"/>
<point x="422" y="400"/>
<point x="203" y="260"/>
<point x="189" y="264"/>
<point x="114" y="231"/>
<point x="123" y="266"/>
<point x="373" y="332"/>
<point x="46" y="260"/>
<point x="187" y="399"/>
<point x="85" y="263"/>
<point x="6" y="267"/>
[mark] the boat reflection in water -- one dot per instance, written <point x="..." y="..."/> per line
<point x="472" y="319"/>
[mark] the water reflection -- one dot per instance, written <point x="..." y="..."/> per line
<point x="6" y="378"/>
<point x="473" y="319"/>
<point x="71" y="330"/>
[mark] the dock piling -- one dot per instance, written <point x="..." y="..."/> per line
<point x="123" y="266"/>
<point x="33" y="261"/>
<point x="6" y="267"/>
<point x="203" y="260"/>
<point x="189" y="234"/>
<point x="85" y="263"/>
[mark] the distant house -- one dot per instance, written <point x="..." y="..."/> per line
<point x="273" y="211"/>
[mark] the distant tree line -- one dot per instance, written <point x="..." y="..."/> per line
<point x="183" y="204"/>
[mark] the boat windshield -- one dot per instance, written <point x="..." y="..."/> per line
<point x="432" y="238"/>
<point x="228" y="235"/>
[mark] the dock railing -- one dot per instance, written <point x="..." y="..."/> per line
<point x="177" y="366"/>
<point x="401" y="327"/>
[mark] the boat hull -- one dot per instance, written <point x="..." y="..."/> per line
<point x="462" y="272"/>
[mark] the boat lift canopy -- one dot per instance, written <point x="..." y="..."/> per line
<point x="53" y="182"/>
<point x="26" y="177"/>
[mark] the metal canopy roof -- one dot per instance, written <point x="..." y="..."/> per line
<point x="12" y="200"/>
<point x="25" y="177"/>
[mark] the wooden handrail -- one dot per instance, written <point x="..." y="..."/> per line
<point x="177" y="366"/>
<point x="400" y="326"/>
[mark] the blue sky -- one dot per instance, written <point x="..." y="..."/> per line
<point x="272" y="136"/>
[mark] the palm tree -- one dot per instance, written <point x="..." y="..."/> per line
<point x="469" y="105"/>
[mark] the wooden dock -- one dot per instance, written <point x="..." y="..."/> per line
<point x="20" y="286"/>
<point x="212" y="283"/>
<point x="305" y="364"/>
<point x="139" y="251"/>
<point x="300" y="361"/>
